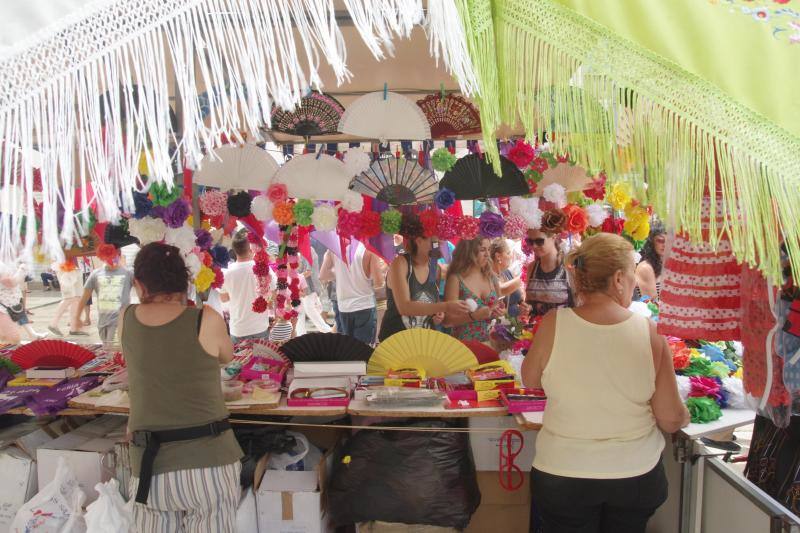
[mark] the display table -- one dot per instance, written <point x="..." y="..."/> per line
<point x="362" y="408"/>
<point x="530" y="421"/>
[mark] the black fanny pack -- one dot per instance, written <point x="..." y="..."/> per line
<point x="15" y="312"/>
<point x="151" y="441"/>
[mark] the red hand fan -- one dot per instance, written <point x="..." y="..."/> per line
<point x="483" y="353"/>
<point x="268" y="349"/>
<point x="51" y="353"/>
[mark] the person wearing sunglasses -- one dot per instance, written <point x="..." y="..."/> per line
<point x="548" y="284"/>
<point x="649" y="271"/>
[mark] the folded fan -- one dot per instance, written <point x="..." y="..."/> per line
<point x="51" y="352"/>
<point x="397" y="181"/>
<point x="438" y="354"/>
<point x="317" y="114"/>
<point x="314" y="177"/>
<point x="472" y="178"/>
<point x="326" y="347"/>
<point x="571" y="177"/>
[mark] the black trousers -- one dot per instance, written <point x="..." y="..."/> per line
<point x="578" y="505"/>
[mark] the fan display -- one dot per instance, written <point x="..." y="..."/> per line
<point x="385" y="116"/>
<point x="236" y="166"/>
<point x="397" y="181"/>
<point x="317" y="114"/>
<point x="472" y="178"/>
<point x="571" y="177"/>
<point x="326" y="347"/>
<point x="268" y="349"/>
<point x="314" y="177"/>
<point x="451" y="116"/>
<point x="483" y="353"/>
<point x="51" y="352"/>
<point x="436" y="353"/>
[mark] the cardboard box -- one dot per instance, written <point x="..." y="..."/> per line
<point x="88" y="450"/>
<point x="246" y="515"/>
<point x="501" y="510"/>
<point x="486" y="446"/>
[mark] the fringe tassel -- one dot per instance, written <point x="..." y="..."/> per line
<point x="447" y="40"/>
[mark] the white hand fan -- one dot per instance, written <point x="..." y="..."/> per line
<point x="397" y="182"/>
<point x="393" y="117"/>
<point x="438" y="354"/>
<point x="233" y="166"/>
<point x="314" y="177"/>
<point x="572" y="178"/>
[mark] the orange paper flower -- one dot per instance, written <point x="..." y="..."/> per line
<point x="577" y="221"/>
<point x="283" y="213"/>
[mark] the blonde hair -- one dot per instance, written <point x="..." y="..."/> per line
<point x="498" y="245"/>
<point x="465" y="256"/>
<point x="596" y="260"/>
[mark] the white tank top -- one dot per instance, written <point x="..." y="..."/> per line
<point x="354" y="290"/>
<point x="599" y="380"/>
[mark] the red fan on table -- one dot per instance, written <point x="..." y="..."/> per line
<point x="483" y="353"/>
<point x="268" y="349"/>
<point x="51" y="353"/>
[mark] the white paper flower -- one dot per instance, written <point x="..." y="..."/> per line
<point x="353" y="201"/>
<point x="596" y="214"/>
<point x="735" y="389"/>
<point x="261" y="208"/>
<point x="684" y="387"/>
<point x="193" y="263"/>
<point x="182" y="238"/>
<point x="528" y="209"/>
<point x="147" y="229"/>
<point x="356" y="161"/>
<point x="324" y="217"/>
<point x="555" y="193"/>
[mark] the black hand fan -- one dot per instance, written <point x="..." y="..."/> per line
<point x="397" y="182"/>
<point x="118" y="234"/>
<point x="317" y="114"/>
<point x="326" y="347"/>
<point x="472" y="178"/>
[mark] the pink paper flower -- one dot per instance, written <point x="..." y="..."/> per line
<point x="277" y="193"/>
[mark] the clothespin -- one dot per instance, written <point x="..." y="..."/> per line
<point x="385" y="91"/>
<point x="441" y="92"/>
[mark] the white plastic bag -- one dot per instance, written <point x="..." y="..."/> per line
<point x="56" y="508"/>
<point x="109" y="512"/>
<point x="304" y="456"/>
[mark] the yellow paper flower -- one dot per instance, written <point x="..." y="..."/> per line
<point x="206" y="225"/>
<point x="738" y="374"/>
<point x="204" y="279"/>
<point x="190" y="221"/>
<point x="619" y="196"/>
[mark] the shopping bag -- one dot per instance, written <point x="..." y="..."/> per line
<point x="109" y="512"/>
<point x="56" y="508"/>
<point x="304" y="456"/>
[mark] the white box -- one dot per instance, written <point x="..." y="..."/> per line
<point x="246" y="516"/>
<point x="89" y="452"/>
<point x="18" y="486"/>
<point x="486" y="446"/>
<point x="320" y="369"/>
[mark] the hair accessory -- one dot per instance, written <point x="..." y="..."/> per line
<point x="579" y="262"/>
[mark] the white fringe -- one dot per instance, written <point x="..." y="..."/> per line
<point x="446" y="34"/>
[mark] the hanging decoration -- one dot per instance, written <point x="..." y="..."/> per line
<point x="397" y="181"/>
<point x="385" y="116"/>
<point x="450" y="116"/>
<point x="473" y="178"/>
<point x="317" y="114"/>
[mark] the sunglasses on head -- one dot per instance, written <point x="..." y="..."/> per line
<point x="534" y="242"/>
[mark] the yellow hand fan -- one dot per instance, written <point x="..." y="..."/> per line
<point x="438" y="354"/>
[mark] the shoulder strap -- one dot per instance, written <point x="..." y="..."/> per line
<point x="199" y="320"/>
<point x="410" y="267"/>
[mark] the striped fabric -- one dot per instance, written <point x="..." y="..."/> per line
<point x="280" y="332"/>
<point x="199" y="500"/>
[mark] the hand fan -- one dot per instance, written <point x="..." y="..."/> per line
<point x="438" y="354"/>
<point x="317" y="114"/>
<point x="51" y="352"/>
<point x="472" y="178"/>
<point x="326" y="347"/>
<point x="397" y="182"/>
<point x="314" y="177"/>
<point x="572" y="178"/>
<point x="385" y="115"/>
<point x="234" y="166"/>
<point x="451" y="116"/>
<point x="483" y="353"/>
<point x="269" y="349"/>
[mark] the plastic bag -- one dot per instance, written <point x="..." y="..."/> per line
<point x="56" y="508"/>
<point x="411" y="477"/>
<point x="108" y="512"/>
<point x="303" y="456"/>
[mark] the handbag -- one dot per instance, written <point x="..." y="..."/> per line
<point x="15" y="312"/>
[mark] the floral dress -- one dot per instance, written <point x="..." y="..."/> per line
<point x="477" y="330"/>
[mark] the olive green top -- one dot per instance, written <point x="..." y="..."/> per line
<point x="174" y="383"/>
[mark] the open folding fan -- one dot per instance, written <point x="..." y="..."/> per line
<point x="317" y="114"/>
<point x="268" y="349"/>
<point x="51" y="352"/>
<point x="236" y="166"/>
<point x="472" y="178"/>
<point x="326" y="347"/>
<point x="385" y="116"/>
<point x="438" y="354"/>
<point x="450" y="116"/>
<point x="315" y="177"/>
<point x="483" y="353"/>
<point x="397" y="181"/>
<point x="572" y="178"/>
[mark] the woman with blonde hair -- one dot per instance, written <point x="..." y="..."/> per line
<point x="548" y="284"/>
<point x="611" y="390"/>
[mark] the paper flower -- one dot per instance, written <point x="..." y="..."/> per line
<point x="556" y="194"/>
<point x="182" y="238"/>
<point x="163" y="195"/>
<point x="203" y="239"/>
<point x="735" y="390"/>
<point x="637" y="228"/>
<point x="539" y="165"/>
<point x="324" y="217"/>
<point x="107" y="253"/>
<point x="176" y="213"/>
<point x="684" y="386"/>
<point x="220" y="255"/>
<point x="204" y="279"/>
<point x="442" y="160"/>
<point x="596" y="214"/>
<point x="703" y="410"/>
<point x="698" y="366"/>
<point x="468" y="227"/>
<point x="193" y="264"/>
<point x="391" y="220"/>
<point x="521" y="154"/>
<point x="261" y="208"/>
<point x="142" y="204"/>
<point x="430" y="220"/>
<point x="719" y="369"/>
<point x="219" y="278"/>
<point x="554" y="221"/>
<point x="613" y="225"/>
<point x="444" y="198"/>
<point x="447" y="226"/>
<point x="348" y="223"/>
<point x="303" y="209"/>
<point x="597" y="190"/>
<point x="356" y="161"/>
<point x="213" y="203"/>
<point x="491" y="224"/>
<point x="352" y="201"/>
<point x="528" y="209"/>
<point x="703" y="386"/>
<point x="239" y="204"/>
<point x="369" y="225"/>
<point x="261" y="268"/>
<point x="147" y="230"/>
<point x="619" y="196"/>
<point x="283" y="213"/>
<point x="680" y="360"/>
<point x="277" y="193"/>
<point x="577" y="221"/>
<point x="515" y="227"/>
<point x="259" y="305"/>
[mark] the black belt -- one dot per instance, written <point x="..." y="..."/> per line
<point x="151" y="441"/>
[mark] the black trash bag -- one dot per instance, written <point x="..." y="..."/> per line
<point x="405" y="476"/>
<point x="257" y="442"/>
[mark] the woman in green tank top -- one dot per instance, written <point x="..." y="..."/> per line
<point x="173" y="353"/>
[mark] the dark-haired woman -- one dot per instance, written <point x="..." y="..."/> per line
<point x="184" y="456"/>
<point x="650" y="268"/>
<point x="548" y="284"/>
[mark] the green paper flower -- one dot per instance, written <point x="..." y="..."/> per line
<point x="442" y="160"/>
<point x="390" y="221"/>
<point x="719" y="370"/>
<point x="532" y="174"/>
<point x="163" y="196"/>
<point x="303" y="210"/>
<point x="9" y="365"/>
<point x="699" y="366"/>
<point x="703" y="410"/>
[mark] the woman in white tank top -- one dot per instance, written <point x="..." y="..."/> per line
<point x="611" y="390"/>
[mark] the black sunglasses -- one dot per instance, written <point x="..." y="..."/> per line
<point x="534" y="242"/>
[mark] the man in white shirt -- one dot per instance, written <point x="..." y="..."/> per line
<point x="239" y="290"/>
